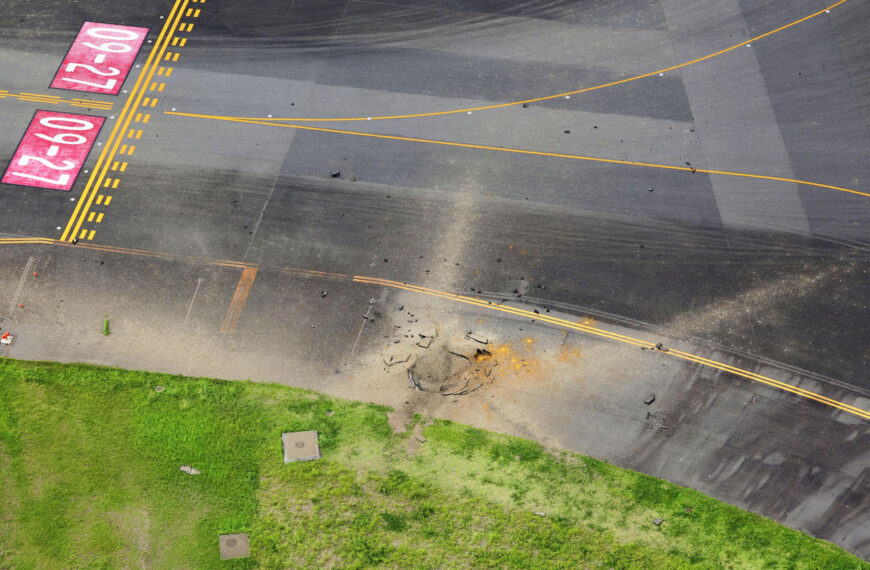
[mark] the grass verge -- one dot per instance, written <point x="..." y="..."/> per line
<point x="89" y="477"/>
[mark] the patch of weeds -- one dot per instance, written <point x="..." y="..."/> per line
<point x="464" y="441"/>
<point x="106" y="325"/>
<point x="516" y="449"/>
<point x="394" y="522"/>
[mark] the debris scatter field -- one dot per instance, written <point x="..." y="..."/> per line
<point x="633" y="230"/>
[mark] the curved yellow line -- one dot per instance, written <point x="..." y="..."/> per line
<point x="521" y="151"/>
<point x="567" y="93"/>
<point x="622" y="338"/>
<point x="492" y="306"/>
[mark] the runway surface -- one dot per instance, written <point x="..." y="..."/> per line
<point x="275" y="180"/>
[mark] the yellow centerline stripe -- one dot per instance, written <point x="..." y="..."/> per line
<point x="483" y="304"/>
<point x="622" y="338"/>
<point x="567" y="93"/>
<point x="132" y="103"/>
<point x="523" y="151"/>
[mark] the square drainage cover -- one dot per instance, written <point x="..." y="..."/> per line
<point x="300" y="446"/>
<point x="234" y="546"/>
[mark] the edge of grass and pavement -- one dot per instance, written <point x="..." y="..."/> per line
<point x="90" y="477"/>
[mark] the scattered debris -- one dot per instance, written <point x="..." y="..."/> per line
<point x="689" y="509"/>
<point x="476" y="338"/>
<point x="430" y="333"/>
<point x="329" y="414"/>
<point x="651" y="190"/>
<point x="649" y="399"/>
<point x="335" y="174"/>
<point x="660" y="347"/>
<point x="420" y="438"/>
<point x="658" y="522"/>
<point x="425" y="342"/>
<point x="540" y="514"/>
<point x="75" y="241"/>
<point x="6" y="338"/>
<point x="525" y="105"/>
<point x="159" y="388"/>
<point x="189" y="470"/>
<point x="323" y="293"/>
<point x="393" y="359"/>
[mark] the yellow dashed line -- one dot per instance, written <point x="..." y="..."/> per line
<point x="146" y="118"/>
<point x="182" y="42"/>
<point x="168" y="71"/>
<point x="107" y="182"/>
<point x="175" y="56"/>
<point x="139" y="134"/>
<point x="123" y="166"/>
<point x="108" y="200"/>
<point x="168" y="56"/>
<point x="91" y="235"/>
<point x="131" y="133"/>
<point x="99" y="199"/>
<point x="123" y="149"/>
<point x="115" y="165"/>
<point x="153" y="102"/>
<point x="99" y="217"/>
<point x="91" y="216"/>
<point x="116" y="182"/>
<point x="145" y="101"/>
<point x="189" y="12"/>
<point x="131" y="150"/>
<point x="161" y="86"/>
<point x="175" y="43"/>
<point x="84" y="234"/>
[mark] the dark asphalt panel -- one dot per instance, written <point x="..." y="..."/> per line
<point x="301" y="21"/>
<point x="629" y="13"/>
<point x="849" y="23"/>
<point x="447" y="75"/>
<point x="55" y="23"/>
<point x="594" y="187"/>
<point x="819" y="116"/>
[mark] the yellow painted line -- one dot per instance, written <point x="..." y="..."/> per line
<point x="182" y="42"/>
<point x="146" y="101"/>
<point x="84" y="234"/>
<point x="116" y="182"/>
<point x="107" y="182"/>
<point x="175" y="43"/>
<point x="168" y="71"/>
<point x="123" y="167"/>
<point x="154" y="86"/>
<point x="153" y="102"/>
<point x="530" y="152"/>
<point x="100" y="199"/>
<point x="131" y="150"/>
<point x="108" y="200"/>
<point x="622" y="338"/>
<point x="168" y="56"/>
<point x="175" y="56"/>
<point x="91" y="217"/>
<point x="161" y="86"/>
<point x="32" y="100"/>
<point x="139" y="134"/>
<point x="123" y="149"/>
<point x="189" y="12"/>
<point x="91" y="234"/>
<point x="567" y="93"/>
<point x="100" y="217"/>
<point x="196" y="13"/>
<point x="146" y="118"/>
<point x="130" y="106"/>
<point x="115" y="165"/>
<point x="250" y="270"/>
<point x="190" y="26"/>
<point x="240" y="297"/>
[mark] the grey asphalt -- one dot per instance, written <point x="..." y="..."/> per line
<point x="771" y="276"/>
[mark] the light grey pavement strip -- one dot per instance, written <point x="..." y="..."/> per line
<point x="734" y="119"/>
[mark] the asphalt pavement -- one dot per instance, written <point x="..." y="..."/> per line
<point x="554" y="156"/>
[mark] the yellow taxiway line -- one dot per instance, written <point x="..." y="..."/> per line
<point x="250" y="271"/>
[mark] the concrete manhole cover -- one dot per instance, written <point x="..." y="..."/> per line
<point x="234" y="546"/>
<point x="300" y="446"/>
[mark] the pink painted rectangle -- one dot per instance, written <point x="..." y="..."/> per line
<point x="100" y="58"/>
<point x="53" y="150"/>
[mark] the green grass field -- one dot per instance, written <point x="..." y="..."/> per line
<point x="90" y="478"/>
